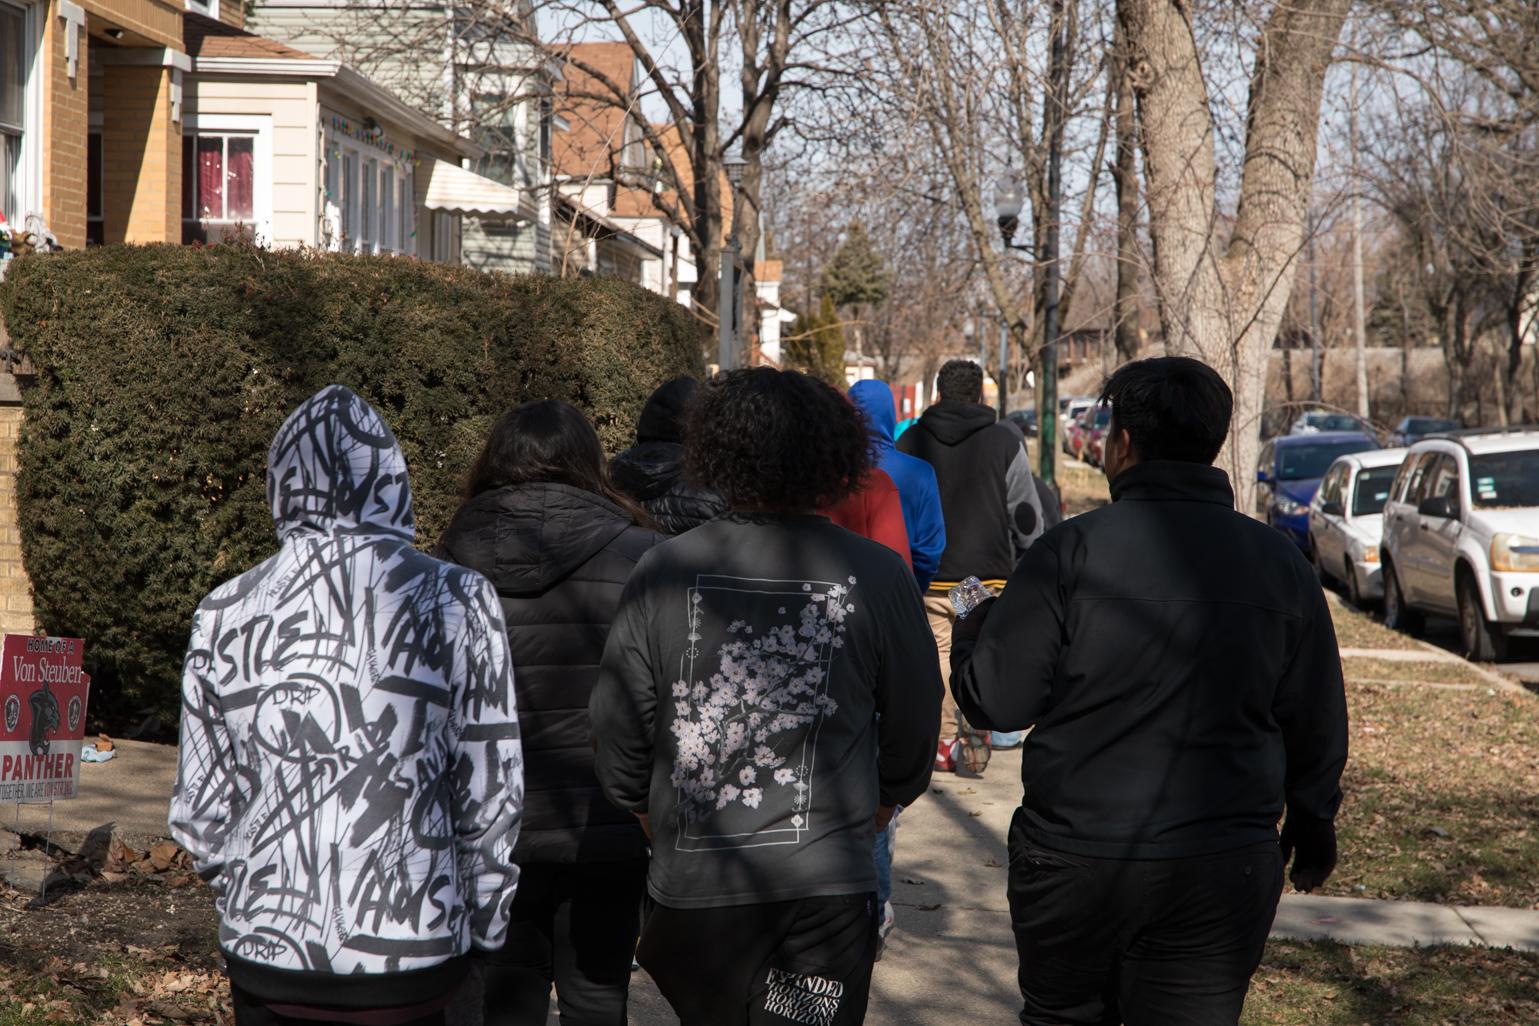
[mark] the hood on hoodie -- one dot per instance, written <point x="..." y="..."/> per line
<point x="527" y="538"/>
<point x="953" y="423"/>
<point x="875" y="400"/>
<point x="663" y="415"/>
<point x="336" y="468"/>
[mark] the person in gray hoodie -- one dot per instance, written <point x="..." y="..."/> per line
<point x="350" y="777"/>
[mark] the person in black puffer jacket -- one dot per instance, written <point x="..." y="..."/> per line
<point x="652" y="470"/>
<point x="542" y="523"/>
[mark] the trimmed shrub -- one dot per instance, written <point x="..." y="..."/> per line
<point x="164" y="371"/>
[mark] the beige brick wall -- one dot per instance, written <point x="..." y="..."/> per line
<point x="65" y="121"/>
<point x="141" y="156"/>
<point x="16" y="614"/>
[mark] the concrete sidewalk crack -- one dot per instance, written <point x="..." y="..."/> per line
<point x="1472" y="927"/>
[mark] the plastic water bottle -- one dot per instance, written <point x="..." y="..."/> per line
<point x="969" y="595"/>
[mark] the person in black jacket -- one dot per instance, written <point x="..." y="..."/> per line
<point x="652" y="470"/>
<point x="991" y="505"/>
<point x="1179" y="664"/>
<point x="737" y="714"/>
<point x="557" y="542"/>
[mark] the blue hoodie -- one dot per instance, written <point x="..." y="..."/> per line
<point x="915" y="478"/>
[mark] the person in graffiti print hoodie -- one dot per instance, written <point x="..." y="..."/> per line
<point x="350" y="774"/>
<point x="736" y="714"/>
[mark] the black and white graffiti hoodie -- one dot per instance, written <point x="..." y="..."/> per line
<point x="351" y="778"/>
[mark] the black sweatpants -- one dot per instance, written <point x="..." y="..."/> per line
<point x="806" y="961"/>
<point x="1147" y="943"/>
<point x="573" y="926"/>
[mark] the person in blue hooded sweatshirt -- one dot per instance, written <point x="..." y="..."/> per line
<point x="919" y="495"/>
<point x="917" y="488"/>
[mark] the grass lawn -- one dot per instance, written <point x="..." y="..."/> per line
<point x="1327" y="984"/>
<point x="1356" y="629"/>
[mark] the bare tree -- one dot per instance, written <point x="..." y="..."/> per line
<point x="1222" y="282"/>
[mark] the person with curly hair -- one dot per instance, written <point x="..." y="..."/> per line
<point x="736" y="714"/>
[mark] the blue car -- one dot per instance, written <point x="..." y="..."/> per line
<point x="1289" y="475"/>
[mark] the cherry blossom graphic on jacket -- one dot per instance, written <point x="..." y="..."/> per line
<point x="746" y="715"/>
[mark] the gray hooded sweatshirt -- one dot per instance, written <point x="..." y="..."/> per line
<point x="351" y="778"/>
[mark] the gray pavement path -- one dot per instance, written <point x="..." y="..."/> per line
<point x="130" y="794"/>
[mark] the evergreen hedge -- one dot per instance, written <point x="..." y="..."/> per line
<point x="164" y="371"/>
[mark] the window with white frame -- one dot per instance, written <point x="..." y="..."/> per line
<point x="207" y="8"/>
<point x="226" y="178"/>
<point x="17" y="113"/>
<point x="368" y="194"/>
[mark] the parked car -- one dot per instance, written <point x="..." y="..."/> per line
<point x="1289" y="475"/>
<point x="1346" y="521"/>
<point x="1096" y="427"/>
<point x="1317" y="421"/>
<point x="1026" y="420"/>
<point x="1079" y="432"/>
<point x="1461" y="537"/>
<point x="1069" y="410"/>
<point x="1072" y="429"/>
<point x="1411" y="430"/>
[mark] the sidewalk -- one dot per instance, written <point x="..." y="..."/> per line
<point x="952" y="957"/>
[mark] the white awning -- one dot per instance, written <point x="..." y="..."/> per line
<point x="451" y="188"/>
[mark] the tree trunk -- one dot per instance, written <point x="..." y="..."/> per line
<point x="1223" y="302"/>
<point x="1125" y="309"/>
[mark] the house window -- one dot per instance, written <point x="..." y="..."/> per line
<point x="95" y="226"/>
<point x="369" y="197"/>
<point x="15" y="67"/>
<point x="207" y="8"/>
<point x="226" y="179"/>
<point x="387" y="225"/>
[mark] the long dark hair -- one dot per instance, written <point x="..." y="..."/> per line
<point x="546" y="441"/>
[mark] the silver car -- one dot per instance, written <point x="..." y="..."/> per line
<point x="1346" y="521"/>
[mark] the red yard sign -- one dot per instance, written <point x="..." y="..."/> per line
<point x="43" y="693"/>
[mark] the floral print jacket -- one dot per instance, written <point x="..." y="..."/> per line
<point x="738" y="707"/>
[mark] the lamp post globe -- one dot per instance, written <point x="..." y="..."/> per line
<point x="1009" y="198"/>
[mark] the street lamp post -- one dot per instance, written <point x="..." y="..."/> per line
<point x="728" y="305"/>
<point x="1009" y="198"/>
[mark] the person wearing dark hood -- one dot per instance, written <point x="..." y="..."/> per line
<point x="990" y="505"/>
<point x="914" y="478"/>
<point x="737" y="715"/>
<point x="1179" y="710"/>
<point x="652" y="470"/>
<point x="542" y="522"/>
<point x="349" y="778"/>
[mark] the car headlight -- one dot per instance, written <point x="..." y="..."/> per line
<point x="1514" y="552"/>
<point x="1288" y="508"/>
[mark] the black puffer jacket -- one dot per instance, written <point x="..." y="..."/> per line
<point x="558" y="557"/>
<point x="652" y="470"/>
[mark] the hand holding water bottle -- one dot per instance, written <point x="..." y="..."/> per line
<point x="969" y="595"/>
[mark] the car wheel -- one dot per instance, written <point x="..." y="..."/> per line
<point x="1483" y="641"/>
<point x="1354" y="589"/>
<point x="1397" y="615"/>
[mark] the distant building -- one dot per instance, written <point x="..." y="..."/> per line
<point x="487" y="81"/>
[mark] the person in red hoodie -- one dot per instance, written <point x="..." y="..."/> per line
<point x="875" y="511"/>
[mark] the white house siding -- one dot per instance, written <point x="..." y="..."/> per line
<point x="289" y="105"/>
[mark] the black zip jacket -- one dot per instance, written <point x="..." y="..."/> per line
<point x="1179" y="664"/>
<point x="738" y="707"/>
<point x="984" y="477"/>
<point x="652" y="473"/>
<point x="558" y="557"/>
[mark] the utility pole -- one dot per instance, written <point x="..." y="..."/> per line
<point x="1047" y="417"/>
<point x="1314" y="320"/>
<point x="1358" y="316"/>
<point x="1004" y="368"/>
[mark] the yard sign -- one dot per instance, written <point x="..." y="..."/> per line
<point x="43" y="693"/>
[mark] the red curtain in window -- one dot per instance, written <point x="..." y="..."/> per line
<point x="238" y="177"/>
<point x="211" y="177"/>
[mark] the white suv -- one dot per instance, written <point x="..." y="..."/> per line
<point x="1461" y="536"/>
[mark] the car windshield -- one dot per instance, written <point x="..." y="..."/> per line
<point x="1331" y="422"/>
<point x="1102" y="417"/>
<point x="1505" y="478"/>
<point x="1303" y="462"/>
<point x="1372" y="490"/>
